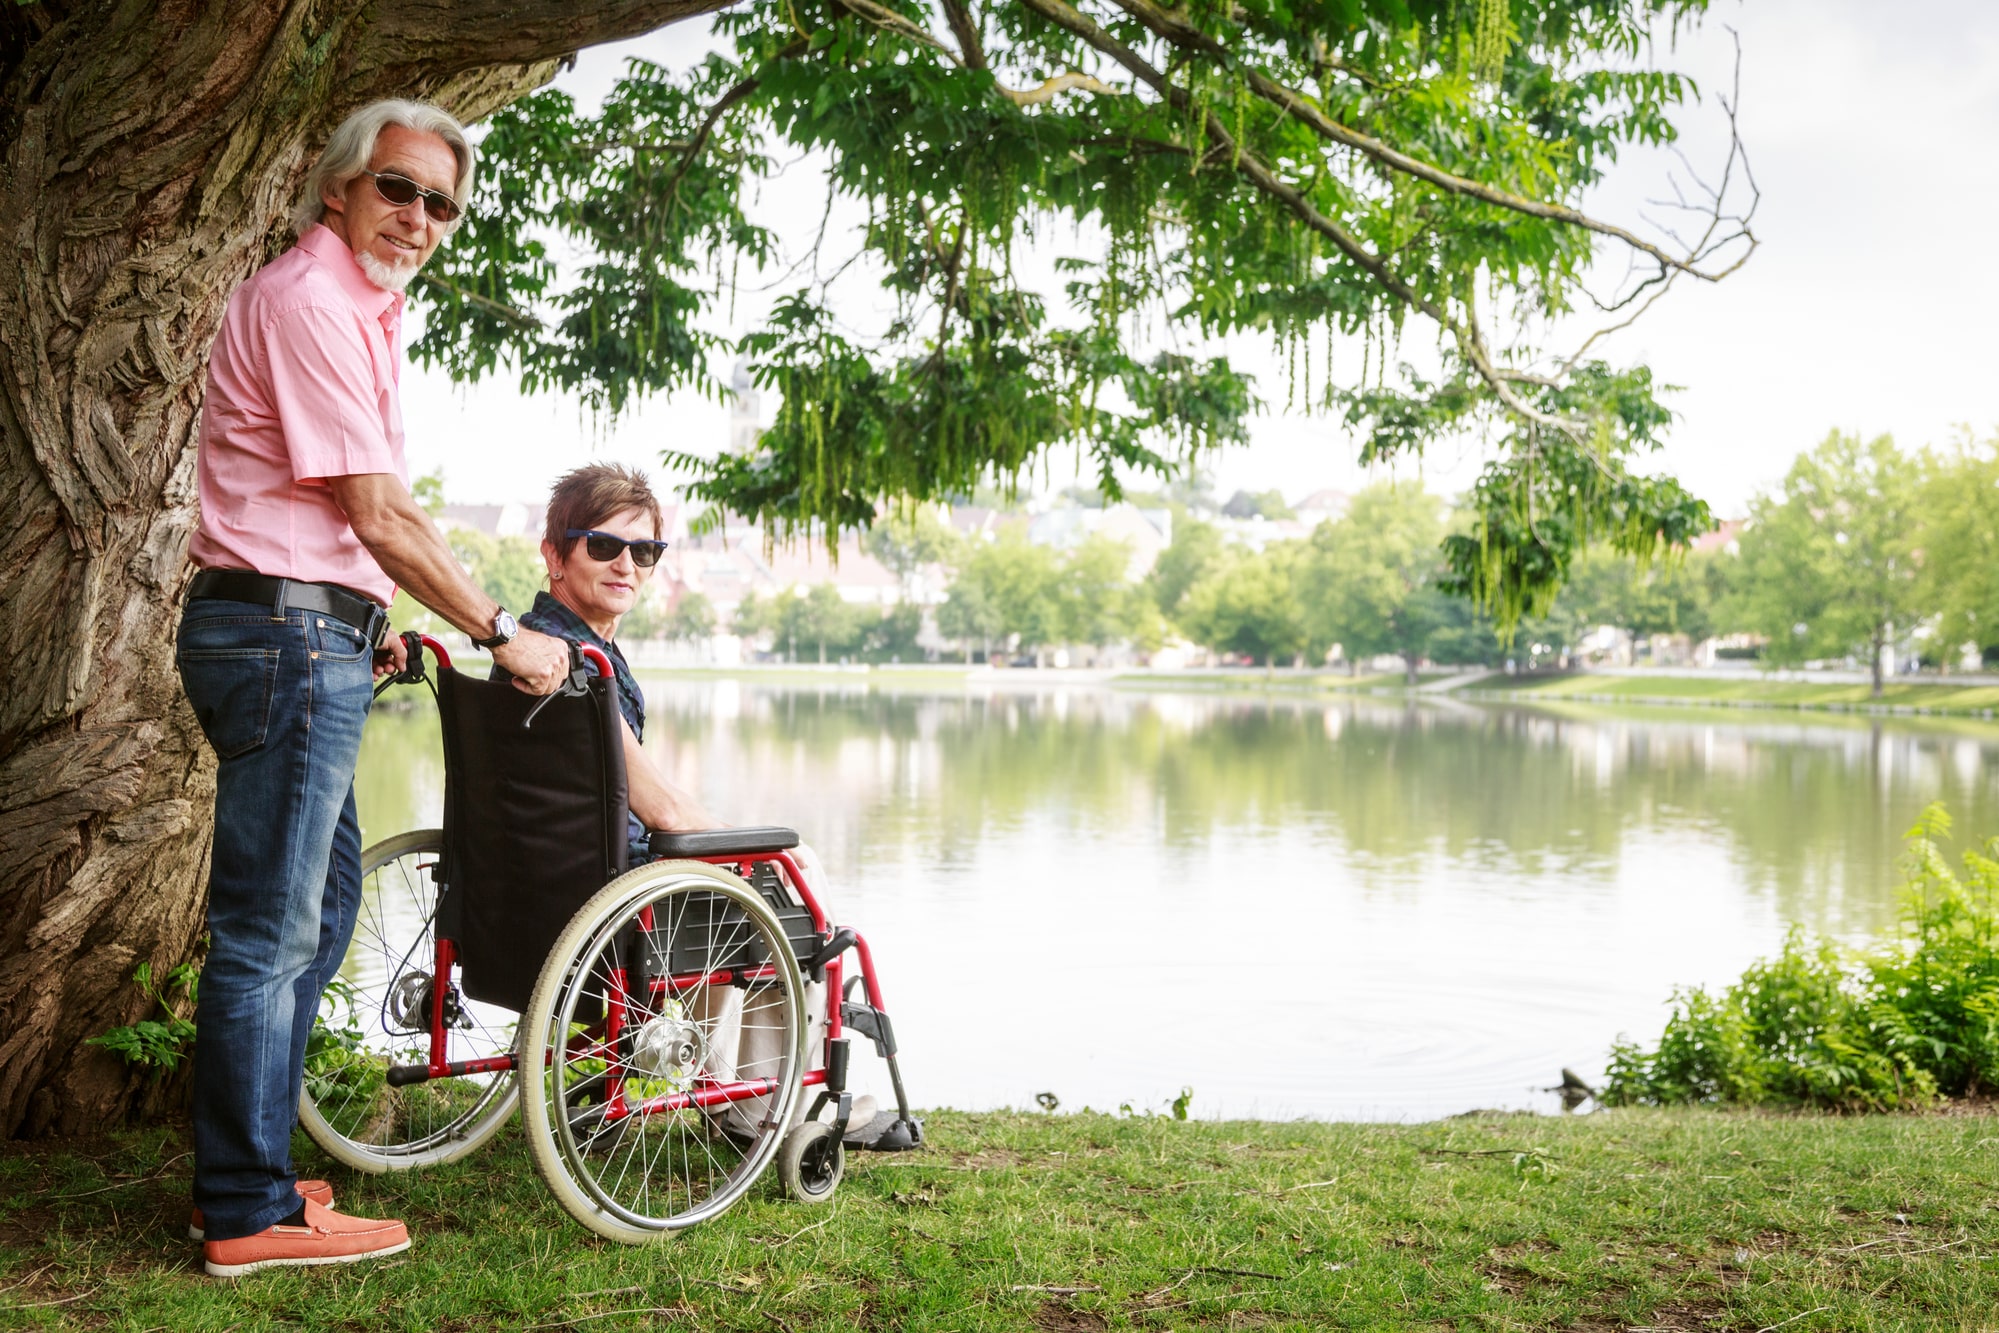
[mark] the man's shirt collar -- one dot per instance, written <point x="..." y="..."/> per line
<point x="322" y="244"/>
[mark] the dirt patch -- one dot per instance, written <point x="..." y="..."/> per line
<point x="1537" y="1245"/>
<point x="1060" y="1318"/>
<point x="1699" y="1316"/>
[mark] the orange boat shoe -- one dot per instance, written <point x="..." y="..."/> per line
<point x="319" y="1191"/>
<point x="326" y="1238"/>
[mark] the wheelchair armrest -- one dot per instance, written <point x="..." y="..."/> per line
<point x="723" y="842"/>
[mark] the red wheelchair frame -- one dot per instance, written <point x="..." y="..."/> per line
<point x="830" y="1076"/>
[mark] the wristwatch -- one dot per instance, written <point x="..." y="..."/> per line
<point x="504" y="630"/>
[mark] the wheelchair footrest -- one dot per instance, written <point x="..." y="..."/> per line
<point x="887" y="1132"/>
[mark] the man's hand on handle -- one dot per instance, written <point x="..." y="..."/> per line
<point x="539" y="662"/>
<point x="391" y="657"/>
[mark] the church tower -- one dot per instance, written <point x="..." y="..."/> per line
<point x="744" y="410"/>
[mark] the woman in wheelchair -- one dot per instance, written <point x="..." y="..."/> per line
<point x="601" y="543"/>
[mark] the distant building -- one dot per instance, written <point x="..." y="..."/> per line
<point x="1726" y="537"/>
<point x="512" y="519"/>
<point x="1326" y="506"/>
<point x="1146" y="532"/>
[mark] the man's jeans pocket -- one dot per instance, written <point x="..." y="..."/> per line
<point x="231" y="691"/>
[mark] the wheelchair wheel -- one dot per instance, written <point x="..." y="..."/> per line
<point x="375" y="1014"/>
<point x="663" y="1050"/>
<point x="811" y="1162"/>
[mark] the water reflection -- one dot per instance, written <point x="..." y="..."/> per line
<point x="1361" y="907"/>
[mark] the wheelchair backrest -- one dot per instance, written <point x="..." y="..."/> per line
<point x="534" y="823"/>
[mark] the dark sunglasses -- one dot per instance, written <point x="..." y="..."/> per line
<point x="402" y="192"/>
<point x="605" y="546"/>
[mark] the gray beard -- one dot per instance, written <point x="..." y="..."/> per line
<point x="389" y="277"/>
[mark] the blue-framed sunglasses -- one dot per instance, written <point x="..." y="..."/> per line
<point x="605" y="546"/>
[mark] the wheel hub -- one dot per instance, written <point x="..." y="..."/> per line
<point x="409" y="1002"/>
<point x="670" y="1047"/>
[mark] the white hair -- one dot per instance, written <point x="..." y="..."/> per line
<point x="352" y="147"/>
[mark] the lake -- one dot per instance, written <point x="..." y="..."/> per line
<point x="1347" y="908"/>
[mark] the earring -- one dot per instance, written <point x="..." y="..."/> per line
<point x="555" y="573"/>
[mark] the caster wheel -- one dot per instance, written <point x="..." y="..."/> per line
<point x="811" y="1161"/>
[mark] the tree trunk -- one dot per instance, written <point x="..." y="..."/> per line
<point x="1879" y="641"/>
<point x="1409" y="661"/>
<point x="148" y="153"/>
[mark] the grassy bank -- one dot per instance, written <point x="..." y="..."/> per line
<point x="1904" y="697"/>
<point x="1628" y="1219"/>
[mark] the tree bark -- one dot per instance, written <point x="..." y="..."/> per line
<point x="148" y="152"/>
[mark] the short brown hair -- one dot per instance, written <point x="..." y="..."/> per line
<point x="592" y="493"/>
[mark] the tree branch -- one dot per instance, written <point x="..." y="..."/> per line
<point x="883" y="17"/>
<point x="1183" y="34"/>
<point x="1047" y="89"/>
<point x="446" y="36"/>
<point x="1465" y="333"/>
<point x="965" y="28"/>
<point x="715" y="113"/>
<point x="513" y="314"/>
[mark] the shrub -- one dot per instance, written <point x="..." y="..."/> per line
<point x="1879" y="1029"/>
<point x="156" y="1042"/>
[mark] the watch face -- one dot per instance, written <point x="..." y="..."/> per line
<point x="504" y="627"/>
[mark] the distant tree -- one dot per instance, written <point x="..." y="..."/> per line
<point x="1015" y="586"/>
<point x="1960" y="544"/>
<point x="1830" y="566"/>
<point x="971" y="614"/>
<point x="1369" y="580"/>
<point x="1248" y="604"/>
<point x="1098" y="599"/>
<point x="658" y="616"/>
<point x="891" y="637"/>
<point x="1196" y="546"/>
<point x="646" y="619"/>
<point x="905" y="541"/>
<point x="692" y="617"/>
<point x="752" y="617"/>
<point x="509" y="569"/>
<point x="1259" y="504"/>
<point x="1671" y="596"/>
<point x="819" y="618"/>
<point x="428" y="491"/>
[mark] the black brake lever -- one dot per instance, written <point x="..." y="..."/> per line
<point x="578" y="683"/>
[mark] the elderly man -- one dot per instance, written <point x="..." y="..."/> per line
<point x="307" y="527"/>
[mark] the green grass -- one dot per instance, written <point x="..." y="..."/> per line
<point x="1623" y="1220"/>
<point x="1738" y="690"/>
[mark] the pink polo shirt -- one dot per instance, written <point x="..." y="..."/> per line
<point x="301" y="386"/>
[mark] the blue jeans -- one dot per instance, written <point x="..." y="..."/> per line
<point x="283" y="701"/>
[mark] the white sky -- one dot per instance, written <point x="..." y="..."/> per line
<point x="1872" y="131"/>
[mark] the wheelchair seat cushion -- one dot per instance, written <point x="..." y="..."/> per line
<point x="748" y="841"/>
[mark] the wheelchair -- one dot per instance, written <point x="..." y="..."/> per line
<point x="651" y="1022"/>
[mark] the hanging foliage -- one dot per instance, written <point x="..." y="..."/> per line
<point x="1265" y="167"/>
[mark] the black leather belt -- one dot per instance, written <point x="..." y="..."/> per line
<point x="281" y="595"/>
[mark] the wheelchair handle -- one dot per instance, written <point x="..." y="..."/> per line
<point x="596" y="658"/>
<point x="412" y="672"/>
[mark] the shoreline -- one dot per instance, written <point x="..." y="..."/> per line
<point x="1903" y="698"/>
